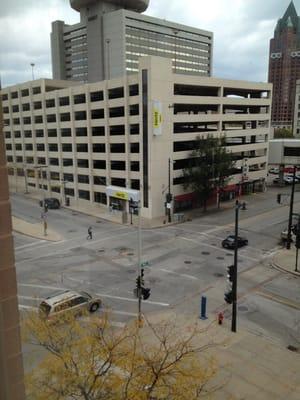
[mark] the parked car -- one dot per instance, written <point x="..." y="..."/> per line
<point x="229" y="242"/>
<point x="274" y="170"/>
<point x="51" y="202"/>
<point x="287" y="180"/>
<point x="65" y="301"/>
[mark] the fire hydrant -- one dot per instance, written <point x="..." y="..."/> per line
<point x="220" y="318"/>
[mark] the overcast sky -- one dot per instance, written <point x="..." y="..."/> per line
<point x="242" y="29"/>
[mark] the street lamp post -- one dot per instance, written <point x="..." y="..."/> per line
<point x="169" y="195"/>
<point x="32" y="67"/>
<point x="25" y="178"/>
<point x="289" y="236"/>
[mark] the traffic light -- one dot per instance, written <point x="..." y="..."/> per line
<point x="278" y="198"/>
<point x="169" y="197"/>
<point x="230" y="273"/>
<point x="146" y="293"/>
<point x="142" y="277"/>
<point x="228" y="297"/>
<point x="138" y="282"/>
<point x="297" y="244"/>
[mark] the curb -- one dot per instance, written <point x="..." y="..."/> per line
<point x="280" y="268"/>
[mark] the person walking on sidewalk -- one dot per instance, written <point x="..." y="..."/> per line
<point x="90" y="233"/>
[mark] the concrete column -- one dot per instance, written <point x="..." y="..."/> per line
<point x="11" y="363"/>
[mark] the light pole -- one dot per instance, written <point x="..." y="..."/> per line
<point x="63" y="183"/>
<point x="32" y="66"/>
<point x="25" y="178"/>
<point x="108" y="58"/>
<point x="289" y="236"/>
<point x="139" y="289"/>
<point x="169" y="195"/>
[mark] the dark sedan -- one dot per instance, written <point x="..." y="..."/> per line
<point x="51" y="202"/>
<point x="229" y="242"/>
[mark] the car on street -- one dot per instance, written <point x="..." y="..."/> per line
<point x="229" y="242"/>
<point x="284" y="233"/>
<point x="68" y="301"/>
<point x="50" y="202"/>
<point x="287" y="180"/>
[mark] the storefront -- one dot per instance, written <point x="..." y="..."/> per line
<point x="119" y="199"/>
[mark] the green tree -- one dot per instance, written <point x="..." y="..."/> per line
<point x="283" y="133"/>
<point x="209" y="168"/>
<point x="87" y="359"/>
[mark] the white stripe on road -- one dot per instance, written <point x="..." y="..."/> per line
<point x="97" y="294"/>
<point x="130" y="314"/>
<point x="29" y="298"/>
<point x="21" y="306"/>
<point x="29" y="245"/>
<point x="176" y="273"/>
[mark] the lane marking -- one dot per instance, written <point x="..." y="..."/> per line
<point x="23" y="307"/>
<point x="97" y="294"/>
<point x="176" y="273"/>
<point x="30" y="298"/>
<point x="30" y="245"/>
<point x="112" y="311"/>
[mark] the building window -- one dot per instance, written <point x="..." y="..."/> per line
<point x="118" y="182"/>
<point x="53" y="161"/>
<point x="117" y="148"/>
<point x="65" y="117"/>
<point x="69" y="192"/>
<point x="18" y="146"/>
<point x="81" y="131"/>
<point x="116" y="93"/>
<point x="82" y="147"/>
<point x="38" y="119"/>
<point x="292" y="151"/>
<point x="100" y="180"/>
<point x="98" y="147"/>
<point x="53" y="147"/>
<point x="67" y="162"/>
<point x="7" y="135"/>
<point x="52" y="133"/>
<point x="133" y="90"/>
<point x="82" y="163"/>
<point x="134" y="166"/>
<point x="5" y="97"/>
<point x="8" y="146"/>
<point x="26" y="107"/>
<point x="96" y="96"/>
<point x="79" y="98"/>
<point x="117" y="130"/>
<point x="64" y="101"/>
<point x="40" y="147"/>
<point x="36" y="90"/>
<point x="41" y="160"/>
<point x="66" y="132"/>
<point x="19" y="159"/>
<point x="16" y="121"/>
<point x="84" y="194"/>
<point x="14" y="95"/>
<point x="17" y="134"/>
<point x="68" y="177"/>
<point x="51" y="118"/>
<point x="50" y="103"/>
<point x="100" y="198"/>
<point x="134" y="109"/>
<point x="98" y="131"/>
<point x="39" y="133"/>
<point x="83" y="179"/>
<point x="118" y="165"/>
<point x="134" y="129"/>
<point x="15" y="108"/>
<point x="134" y="147"/>
<point x="80" y="115"/>
<point x="135" y="184"/>
<point x="99" y="164"/>
<point x="97" y="114"/>
<point x="25" y="92"/>
<point x="26" y="120"/>
<point x="115" y="112"/>
<point x="29" y="146"/>
<point x="66" y="147"/>
<point x="37" y="105"/>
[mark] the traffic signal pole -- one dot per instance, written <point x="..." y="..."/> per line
<point x="289" y="236"/>
<point x="235" y="264"/>
<point x="139" y="288"/>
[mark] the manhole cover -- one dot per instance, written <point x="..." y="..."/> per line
<point x="293" y="348"/>
<point x="72" y="231"/>
<point x="205" y="253"/>
<point x="188" y="262"/>
<point x="218" y="274"/>
<point x="101" y="251"/>
<point x="242" y="308"/>
<point x="220" y="258"/>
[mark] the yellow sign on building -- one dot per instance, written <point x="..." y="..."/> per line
<point x="121" y="195"/>
<point x="157" y="117"/>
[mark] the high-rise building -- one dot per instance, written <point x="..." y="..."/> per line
<point x="112" y="35"/>
<point x="77" y="140"/>
<point x="284" y="67"/>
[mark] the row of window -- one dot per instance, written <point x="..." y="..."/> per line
<point x="80" y="147"/>
<point x="113" y="93"/>
<point x="134" y="129"/>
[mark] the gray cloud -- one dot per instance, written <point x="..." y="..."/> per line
<point x="242" y="30"/>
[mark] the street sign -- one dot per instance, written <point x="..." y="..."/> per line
<point x="168" y="205"/>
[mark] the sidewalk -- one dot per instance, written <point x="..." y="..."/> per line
<point x="249" y="366"/>
<point x="34" y="230"/>
<point x="286" y="260"/>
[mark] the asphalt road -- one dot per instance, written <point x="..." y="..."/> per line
<point x="185" y="262"/>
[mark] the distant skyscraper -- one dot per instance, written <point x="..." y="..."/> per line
<point x="113" y="34"/>
<point x="284" y="67"/>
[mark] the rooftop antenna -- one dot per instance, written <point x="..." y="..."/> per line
<point x="32" y="66"/>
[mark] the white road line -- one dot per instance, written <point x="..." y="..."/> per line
<point x="97" y="294"/>
<point x="176" y="273"/>
<point x="29" y="245"/>
<point x="30" y="298"/>
<point x="112" y="311"/>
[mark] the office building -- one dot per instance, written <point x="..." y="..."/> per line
<point x="112" y="35"/>
<point x="284" y="67"/>
<point x="296" y="124"/>
<point x="79" y="139"/>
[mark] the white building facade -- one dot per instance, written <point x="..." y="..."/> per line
<point x="76" y="140"/>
